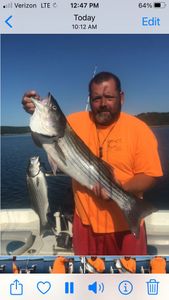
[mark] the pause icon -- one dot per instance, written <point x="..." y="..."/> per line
<point x="69" y="287"/>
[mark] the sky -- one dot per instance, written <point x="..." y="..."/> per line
<point x="64" y="64"/>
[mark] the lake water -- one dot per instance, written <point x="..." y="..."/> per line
<point x="15" y="154"/>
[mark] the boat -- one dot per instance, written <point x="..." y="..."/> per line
<point x="21" y="233"/>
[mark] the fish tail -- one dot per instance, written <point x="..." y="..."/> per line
<point x="141" y="210"/>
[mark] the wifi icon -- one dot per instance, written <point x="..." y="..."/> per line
<point x="96" y="287"/>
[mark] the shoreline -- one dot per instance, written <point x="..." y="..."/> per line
<point x="160" y="126"/>
<point x="29" y="133"/>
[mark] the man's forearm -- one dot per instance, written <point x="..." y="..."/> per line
<point x="139" y="184"/>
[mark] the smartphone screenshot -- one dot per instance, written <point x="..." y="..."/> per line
<point x="84" y="208"/>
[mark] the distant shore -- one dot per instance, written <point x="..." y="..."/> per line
<point x="29" y="133"/>
<point x="152" y="119"/>
<point x="159" y="126"/>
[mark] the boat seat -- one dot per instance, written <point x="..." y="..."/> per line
<point x="16" y="242"/>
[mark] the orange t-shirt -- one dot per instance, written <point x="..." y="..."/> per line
<point x="158" y="265"/>
<point x="129" y="265"/>
<point x="98" y="264"/>
<point x="130" y="148"/>
<point x="59" y="265"/>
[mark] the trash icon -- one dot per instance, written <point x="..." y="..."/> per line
<point x="152" y="287"/>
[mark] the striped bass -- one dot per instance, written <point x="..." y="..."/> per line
<point x="65" y="149"/>
<point x="38" y="192"/>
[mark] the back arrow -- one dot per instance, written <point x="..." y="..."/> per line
<point x="6" y="21"/>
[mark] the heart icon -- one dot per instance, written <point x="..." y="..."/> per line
<point x="43" y="287"/>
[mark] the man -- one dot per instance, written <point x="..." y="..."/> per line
<point x="15" y="268"/>
<point x="130" y="148"/>
<point x="126" y="265"/>
<point x="94" y="265"/>
<point x="59" y="265"/>
<point x="158" y="265"/>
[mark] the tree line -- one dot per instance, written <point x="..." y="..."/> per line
<point x="150" y="118"/>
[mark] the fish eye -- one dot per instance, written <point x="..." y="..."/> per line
<point x="54" y="107"/>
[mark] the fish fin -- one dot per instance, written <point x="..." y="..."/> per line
<point x="52" y="164"/>
<point x="36" y="139"/>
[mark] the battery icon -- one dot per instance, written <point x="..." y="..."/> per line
<point x="160" y="4"/>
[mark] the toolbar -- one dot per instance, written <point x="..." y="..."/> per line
<point x="91" y="17"/>
<point x="59" y="286"/>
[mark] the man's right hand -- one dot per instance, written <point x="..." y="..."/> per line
<point x="28" y="106"/>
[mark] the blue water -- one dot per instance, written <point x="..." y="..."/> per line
<point x="5" y="264"/>
<point x="159" y="195"/>
<point x="16" y="151"/>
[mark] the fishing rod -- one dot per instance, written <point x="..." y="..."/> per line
<point x="88" y="98"/>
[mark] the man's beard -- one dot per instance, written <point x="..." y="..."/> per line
<point x="106" y="117"/>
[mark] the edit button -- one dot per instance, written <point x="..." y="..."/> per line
<point x="150" y="22"/>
